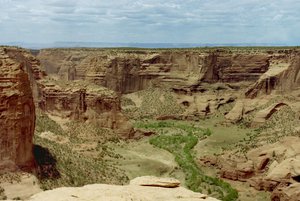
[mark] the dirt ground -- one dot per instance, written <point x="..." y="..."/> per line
<point x="21" y="187"/>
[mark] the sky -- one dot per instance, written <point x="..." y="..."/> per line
<point x="151" y="21"/>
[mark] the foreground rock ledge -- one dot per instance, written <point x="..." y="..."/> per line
<point x="157" y="189"/>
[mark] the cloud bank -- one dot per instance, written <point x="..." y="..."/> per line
<point x="169" y="21"/>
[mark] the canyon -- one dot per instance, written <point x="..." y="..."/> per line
<point x="241" y="105"/>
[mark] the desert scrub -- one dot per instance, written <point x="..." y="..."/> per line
<point x="2" y="194"/>
<point x="66" y="167"/>
<point x="154" y="102"/>
<point x="280" y="124"/>
<point x="75" y="162"/>
<point x="181" y="145"/>
<point x="44" y="123"/>
<point x="81" y="131"/>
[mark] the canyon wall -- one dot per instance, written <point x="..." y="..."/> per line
<point x="283" y="76"/>
<point x="130" y="71"/>
<point x="83" y="101"/>
<point x="17" y="112"/>
<point x="126" y="71"/>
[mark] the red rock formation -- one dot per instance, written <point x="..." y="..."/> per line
<point x="283" y="77"/>
<point x="77" y="101"/>
<point x="231" y="67"/>
<point x="130" y="71"/>
<point x="31" y="66"/>
<point x="86" y="102"/>
<point x="17" y="113"/>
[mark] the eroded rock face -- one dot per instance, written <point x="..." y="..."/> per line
<point x="231" y="67"/>
<point x="17" y="112"/>
<point x="130" y="71"/>
<point x="283" y="76"/>
<point x="273" y="167"/>
<point x="86" y="102"/>
<point x="133" y="192"/>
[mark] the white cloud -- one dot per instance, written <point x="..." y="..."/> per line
<point x="201" y="21"/>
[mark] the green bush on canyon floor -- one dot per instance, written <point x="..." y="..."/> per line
<point x="180" y="144"/>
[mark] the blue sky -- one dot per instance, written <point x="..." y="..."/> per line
<point x="151" y="21"/>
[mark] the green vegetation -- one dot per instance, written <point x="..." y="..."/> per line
<point x="180" y="144"/>
<point x="44" y="123"/>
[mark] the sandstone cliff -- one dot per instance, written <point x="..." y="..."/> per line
<point x="77" y="101"/>
<point x="83" y="101"/>
<point x="282" y="77"/>
<point x="126" y="71"/>
<point x="130" y="71"/>
<point x="17" y="112"/>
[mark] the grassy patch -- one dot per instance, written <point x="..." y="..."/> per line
<point x="180" y="145"/>
<point x="44" y="123"/>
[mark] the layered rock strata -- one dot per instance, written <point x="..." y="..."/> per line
<point x="130" y="71"/>
<point x="272" y="167"/>
<point x="78" y="100"/>
<point x="17" y="112"/>
<point x="283" y="76"/>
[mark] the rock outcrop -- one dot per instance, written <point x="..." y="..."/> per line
<point x="128" y="71"/>
<point x="17" y="112"/>
<point x="31" y="65"/>
<point x="283" y="76"/>
<point x="78" y="100"/>
<point x="230" y="67"/>
<point x="287" y="193"/>
<point x="155" y="182"/>
<point x="133" y="192"/>
<point x="237" y="112"/>
<point x="274" y="167"/>
<point x="263" y="115"/>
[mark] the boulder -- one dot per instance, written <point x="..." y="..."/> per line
<point x="286" y="193"/>
<point x="241" y="172"/>
<point x="262" y="184"/>
<point x="155" y="181"/>
<point x="288" y="168"/>
<point x="237" y="112"/>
